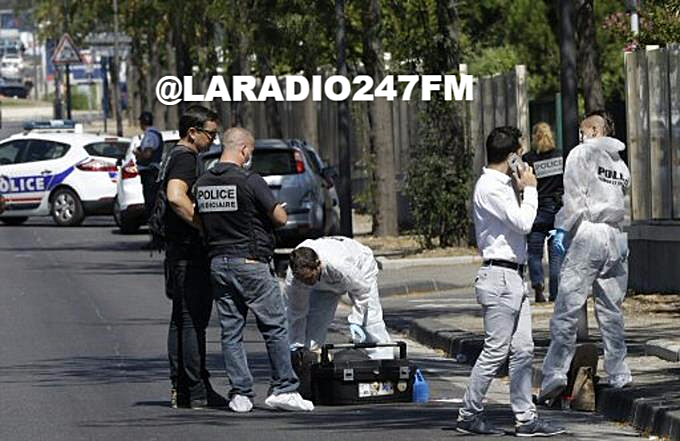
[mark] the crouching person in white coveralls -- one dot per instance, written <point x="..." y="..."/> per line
<point x="320" y="272"/>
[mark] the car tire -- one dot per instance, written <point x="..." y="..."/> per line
<point x="66" y="208"/>
<point x="123" y="222"/>
<point x="117" y="215"/>
<point x="13" y="220"/>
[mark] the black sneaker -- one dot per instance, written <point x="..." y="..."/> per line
<point x="538" y="427"/>
<point x="478" y="426"/>
<point x="216" y="400"/>
<point x="540" y="297"/>
<point x="550" y="396"/>
<point x="201" y="403"/>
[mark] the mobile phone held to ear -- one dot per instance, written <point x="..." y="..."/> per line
<point x="516" y="164"/>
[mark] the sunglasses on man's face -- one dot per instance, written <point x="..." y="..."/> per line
<point x="212" y="134"/>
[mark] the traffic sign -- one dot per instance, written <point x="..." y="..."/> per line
<point x="66" y="52"/>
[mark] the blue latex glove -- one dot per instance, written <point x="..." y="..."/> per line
<point x="357" y="332"/>
<point x="295" y="346"/>
<point x="559" y="240"/>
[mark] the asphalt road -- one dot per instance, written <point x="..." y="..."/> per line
<point x="83" y="326"/>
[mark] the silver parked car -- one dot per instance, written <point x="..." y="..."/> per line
<point x="298" y="176"/>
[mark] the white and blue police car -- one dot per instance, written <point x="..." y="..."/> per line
<point x="54" y="169"/>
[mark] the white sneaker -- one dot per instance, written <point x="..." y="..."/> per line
<point x="620" y="381"/>
<point x="240" y="404"/>
<point x="289" y="401"/>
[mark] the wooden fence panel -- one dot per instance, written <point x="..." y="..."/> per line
<point x="674" y="118"/>
<point x="659" y="134"/>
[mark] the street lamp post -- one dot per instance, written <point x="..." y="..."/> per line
<point x="115" y="69"/>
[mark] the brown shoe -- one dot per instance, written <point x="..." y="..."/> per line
<point x="540" y="297"/>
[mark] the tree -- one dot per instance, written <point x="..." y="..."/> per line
<point x="380" y="117"/>
<point x="424" y="38"/>
<point x="588" y="54"/>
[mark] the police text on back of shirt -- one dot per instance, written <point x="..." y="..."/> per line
<point x="216" y="198"/>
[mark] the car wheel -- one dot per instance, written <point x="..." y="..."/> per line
<point x="67" y="210"/>
<point x="116" y="213"/>
<point x="13" y="220"/>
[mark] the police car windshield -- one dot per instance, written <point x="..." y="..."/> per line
<point x="268" y="162"/>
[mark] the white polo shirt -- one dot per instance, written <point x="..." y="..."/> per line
<point x="501" y="223"/>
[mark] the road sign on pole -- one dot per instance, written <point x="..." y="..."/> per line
<point x="66" y="51"/>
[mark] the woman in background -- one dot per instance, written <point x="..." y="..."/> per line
<point x="548" y="166"/>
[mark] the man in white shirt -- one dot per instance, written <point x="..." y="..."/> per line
<point x="320" y="272"/>
<point x="501" y="226"/>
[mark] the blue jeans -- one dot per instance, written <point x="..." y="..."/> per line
<point x="545" y="221"/>
<point x="240" y="285"/>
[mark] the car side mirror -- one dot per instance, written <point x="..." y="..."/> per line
<point x="329" y="174"/>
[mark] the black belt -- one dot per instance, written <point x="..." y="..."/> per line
<point x="505" y="264"/>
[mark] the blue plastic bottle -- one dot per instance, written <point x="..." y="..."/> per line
<point x="421" y="390"/>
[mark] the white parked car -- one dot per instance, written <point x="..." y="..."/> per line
<point x="128" y="207"/>
<point x="12" y="68"/>
<point x="53" y="169"/>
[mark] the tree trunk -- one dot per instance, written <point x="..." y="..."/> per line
<point x="310" y="122"/>
<point x="271" y="107"/>
<point x="385" y="222"/>
<point x="345" y="156"/>
<point x="182" y="57"/>
<point x="588" y="54"/>
<point x="239" y="66"/>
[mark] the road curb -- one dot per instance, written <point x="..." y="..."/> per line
<point x="416" y="286"/>
<point x="412" y="287"/>
<point x="396" y="264"/>
<point x="656" y="415"/>
<point x="649" y="408"/>
<point x="668" y="350"/>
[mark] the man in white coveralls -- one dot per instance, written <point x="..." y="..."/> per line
<point x="320" y="272"/>
<point x="595" y="183"/>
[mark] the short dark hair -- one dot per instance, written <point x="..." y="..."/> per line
<point x="609" y="126"/>
<point x="196" y="116"/>
<point x="303" y="259"/>
<point x="501" y="142"/>
<point x="146" y="118"/>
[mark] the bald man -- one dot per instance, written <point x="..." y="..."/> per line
<point x="593" y="213"/>
<point x="238" y="212"/>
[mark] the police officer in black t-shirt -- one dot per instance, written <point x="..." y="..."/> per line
<point x="186" y="264"/>
<point x="239" y="212"/>
<point x="547" y="164"/>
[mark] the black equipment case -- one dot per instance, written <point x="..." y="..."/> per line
<point x="341" y="382"/>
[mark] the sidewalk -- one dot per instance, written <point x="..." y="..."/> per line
<point x="446" y="317"/>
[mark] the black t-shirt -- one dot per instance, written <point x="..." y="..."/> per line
<point x="549" y="170"/>
<point x="234" y="205"/>
<point x="183" y="240"/>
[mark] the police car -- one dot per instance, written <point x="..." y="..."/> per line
<point x="53" y="169"/>
<point x="128" y="207"/>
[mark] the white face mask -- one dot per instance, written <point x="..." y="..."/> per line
<point x="248" y="163"/>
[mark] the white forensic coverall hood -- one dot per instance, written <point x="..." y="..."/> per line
<point x="347" y="267"/>
<point x="595" y="183"/>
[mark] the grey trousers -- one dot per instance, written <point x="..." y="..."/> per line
<point x="507" y="328"/>
<point x="597" y="257"/>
